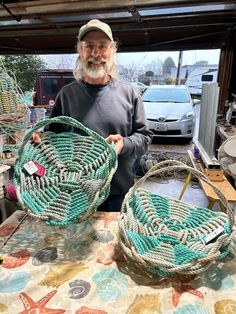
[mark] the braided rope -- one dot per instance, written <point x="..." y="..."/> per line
<point x="79" y="169"/>
<point x="8" y="94"/>
<point x="165" y="235"/>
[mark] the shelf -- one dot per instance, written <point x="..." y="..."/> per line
<point x="225" y="132"/>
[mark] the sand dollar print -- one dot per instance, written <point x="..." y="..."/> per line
<point x="111" y="284"/>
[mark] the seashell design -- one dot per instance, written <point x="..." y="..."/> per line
<point x="149" y="303"/>
<point x="61" y="273"/>
<point x="76" y="249"/>
<point x="217" y="278"/>
<point x="45" y="255"/>
<point x="26" y="237"/>
<point x="16" y="259"/>
<point x="88" y="310"/>
<point x="53" y="238"/>
<point x="14" y="282"/>
<point x="83" y="227"/>
<point x="3" y="308"/>
<point x="106" y="255"/>
<point x="79" y="289"/>
<point x="107" y="217"/>
<point x="6" y="230"/>
<point x="102" y="236"/>
<point x="226" y="306"/>
<point x="111" y="284"/>
<point x="191" y="309"/>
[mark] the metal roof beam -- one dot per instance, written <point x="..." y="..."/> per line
<point x="65" y="6"/>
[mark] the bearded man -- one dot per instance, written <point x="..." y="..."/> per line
<point x="101" y="102"/>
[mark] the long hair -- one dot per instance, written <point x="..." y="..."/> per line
<point x="112" y="70"/>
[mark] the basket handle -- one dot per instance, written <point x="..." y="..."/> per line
<point x="59" y="119"/>
<point x="173" y="165"/>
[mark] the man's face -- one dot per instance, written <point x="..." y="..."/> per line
<point x="96" y="54"/>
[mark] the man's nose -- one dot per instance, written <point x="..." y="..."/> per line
<point x="95" y="51"/>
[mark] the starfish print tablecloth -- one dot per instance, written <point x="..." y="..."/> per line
<point x="80" y="269"/>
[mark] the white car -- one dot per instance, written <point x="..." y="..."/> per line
<point x="169" y="111"/>
<point x="139" y="86"/>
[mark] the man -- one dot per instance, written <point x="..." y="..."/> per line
<point x="106" y="105"/>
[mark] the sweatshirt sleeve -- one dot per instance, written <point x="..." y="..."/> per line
<point x="137" y="143"/>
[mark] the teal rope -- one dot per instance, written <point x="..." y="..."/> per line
<point x="79" y="169"/>
<point x="166" y="236"/>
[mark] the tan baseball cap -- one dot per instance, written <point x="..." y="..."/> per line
<point x="95" y="25"/>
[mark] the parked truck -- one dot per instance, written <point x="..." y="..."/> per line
<point x="48" y="83"/>
<point x="199" y="76"/>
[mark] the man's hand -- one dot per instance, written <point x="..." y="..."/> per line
<point x="36" y="137"/>
<point x="118" y="140"/>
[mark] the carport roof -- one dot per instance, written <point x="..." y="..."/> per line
<point x="51" y="26"/>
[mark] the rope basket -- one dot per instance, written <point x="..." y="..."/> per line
<point x="167" y="236"/>
<point x="8" y="94"/>
<point x="79" y="168"/>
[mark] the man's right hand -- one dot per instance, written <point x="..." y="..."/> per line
<point x="36" y="137"/>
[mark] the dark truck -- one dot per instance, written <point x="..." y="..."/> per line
<point x="48" y="83"/>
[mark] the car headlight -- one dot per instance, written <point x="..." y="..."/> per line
<point x="188" y="115"/>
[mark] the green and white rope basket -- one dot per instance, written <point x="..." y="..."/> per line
<point x="166" y="236"/>
<point x="79" y="169"/>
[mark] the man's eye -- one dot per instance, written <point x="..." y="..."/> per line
<point x="103" y="47"/>
<point x="89" y="46"/>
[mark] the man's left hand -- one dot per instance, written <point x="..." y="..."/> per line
<point x="118" y="140"/>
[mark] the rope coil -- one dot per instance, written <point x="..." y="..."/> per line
<point x="79" y="168"/>
<point x="167" y="236"/>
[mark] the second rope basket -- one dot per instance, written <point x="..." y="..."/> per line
<point x="166" y="236"/>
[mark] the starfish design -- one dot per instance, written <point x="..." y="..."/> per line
<point x="107" y="218"/>
<point x="180" y="286"/>
<point x="38" y="307"/>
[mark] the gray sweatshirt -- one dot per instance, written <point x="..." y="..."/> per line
<point x="114" y="108"/>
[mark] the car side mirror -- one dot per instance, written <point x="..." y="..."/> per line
<point x="196" y="101"/>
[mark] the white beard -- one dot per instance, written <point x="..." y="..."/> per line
<point x="95" y="74"/>
<point x="90" y="71"/>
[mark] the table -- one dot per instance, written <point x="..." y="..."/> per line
<point x="80" y="269"/>
<point x="224" y="186"/>
<point x="225" y="132"/>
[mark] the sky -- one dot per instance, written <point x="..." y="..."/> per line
<point x="142" y="58"/>
<point x="189" y="57"/>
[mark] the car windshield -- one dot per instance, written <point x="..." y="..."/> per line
<point x="166" y="95"/>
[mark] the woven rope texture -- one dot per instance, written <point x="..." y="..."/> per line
<point x="167" y="236"/>
<point x="8" y="94"/>
<point x="79" y="169"/>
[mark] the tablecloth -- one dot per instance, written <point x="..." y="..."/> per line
<point x="80" y="269"/>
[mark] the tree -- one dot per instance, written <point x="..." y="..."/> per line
<point x="24" y="69"/>
<point x="154" y="66"/>
<point x="170" y="81"/>
<point x="167" y="65"/>
<point x="60" y="61"/>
